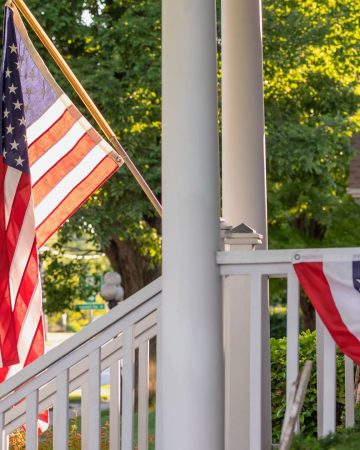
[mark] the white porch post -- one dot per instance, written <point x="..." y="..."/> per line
<point x="190" y="350"/>
<point x="243" y="157"/>
<point x="244" y="200"/>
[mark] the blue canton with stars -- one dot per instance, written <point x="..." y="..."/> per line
<point x="14" y="143"/>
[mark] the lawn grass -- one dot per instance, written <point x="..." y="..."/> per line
<point x="75" y="396"/>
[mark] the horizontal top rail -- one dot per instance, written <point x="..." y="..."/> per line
<point x="82" y="337"/>
<point x="284" y="256"/>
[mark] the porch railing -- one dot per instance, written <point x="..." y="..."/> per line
<point x="261" y="265"/>
<point x="110" y="343"/>
<point x="107" y="343"/>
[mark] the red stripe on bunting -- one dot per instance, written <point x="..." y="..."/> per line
<point x="316" y="286"/>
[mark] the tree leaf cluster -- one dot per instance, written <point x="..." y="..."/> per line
<point x="68" y="281"/>
<point x="312" y="93"/>
<point x="113" y="47"/>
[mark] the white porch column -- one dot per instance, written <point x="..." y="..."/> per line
<point x="190" y="350"/>
<point x="243" y="152"/>
<point x="244" y="200"/>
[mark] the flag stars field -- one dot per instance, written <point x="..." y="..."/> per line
<point x="17" y="105"/>
<point x="12" y="89"/>
<point x="14" y="145"/>
<point x="32" y="75"/>
<point x="9" y="129"/>
<point x="13" y="48"/>
<point x="19" y="161"/>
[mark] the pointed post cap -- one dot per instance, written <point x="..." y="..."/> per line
<point x="242" y="234"/>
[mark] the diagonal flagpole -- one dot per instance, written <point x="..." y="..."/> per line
<point x="90" y="105"/>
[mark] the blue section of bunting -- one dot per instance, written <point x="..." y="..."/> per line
<point x="356" y="275"/>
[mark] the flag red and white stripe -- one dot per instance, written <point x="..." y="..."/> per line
<point x="333" y="287"/>
<point x="68" y="162"/>
<point x="52" y="161"/>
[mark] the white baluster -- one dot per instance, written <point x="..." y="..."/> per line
<point x="61" y="412"/>
<point x="255" y="361"/>
<point x="31" y="421"/>
<point x="115" y="402"/>
<point x="127" y="431"/>
<point x="85" y="416"/>
<point x="349" y="393"/>
<point x="326" y="379"/>
<point x="3" y="443"/>
<point x="94" y="400"/>
<point x="292" y="334"/>
<point x="143" y="396"/>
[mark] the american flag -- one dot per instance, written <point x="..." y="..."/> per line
<point x="52" y="161"/>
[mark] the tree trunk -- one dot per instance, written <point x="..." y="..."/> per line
<point x="307" y="311"/>
<point x="134" y="268"/>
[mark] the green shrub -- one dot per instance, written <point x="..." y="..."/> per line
<point x="344" y="439"/>
<point x="278" y="321"/>
<point x="308" y="416"/>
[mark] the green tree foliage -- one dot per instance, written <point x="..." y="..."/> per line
<point x="312" y="93"/>
<point x="114" y="49"/>
<point x="311" y="68"/>
<point x="69" y="278"/>
<point x="119" y="63"/>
